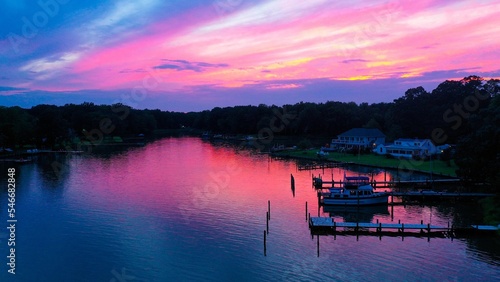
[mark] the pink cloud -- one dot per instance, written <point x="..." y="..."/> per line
<point x="318" y="39"/>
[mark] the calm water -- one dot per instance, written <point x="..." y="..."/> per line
<point x="185" y="210"/>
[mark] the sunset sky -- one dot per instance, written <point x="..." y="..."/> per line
<point x="182" y="55"/>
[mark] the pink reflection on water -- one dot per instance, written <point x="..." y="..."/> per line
<point x="192" y="179"/>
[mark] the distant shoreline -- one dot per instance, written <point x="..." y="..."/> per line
<point x="439" y="168"/>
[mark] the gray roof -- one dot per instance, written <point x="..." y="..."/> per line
<point x="411" y="140"/>
<point x="363" y="132"/>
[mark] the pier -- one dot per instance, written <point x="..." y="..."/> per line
<point x="319" y="183"/>
<point x="423" y="193"/>
<point x="328" y="222"/>
<point x="322" y="165"/>
<point x="436" y="194"/>
<point x="426" y="195"/>
<point x="326" y="225"/>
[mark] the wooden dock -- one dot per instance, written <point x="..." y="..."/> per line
<point x="327" y="225"/>
<point x="436" y="194"/>
<point x="323" y="165"/>
<point x="423" y="195"/>
<point x="319" y="183"/>
<point x="328" y="222"/>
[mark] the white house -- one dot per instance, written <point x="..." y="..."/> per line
<point x="408" y="148"/>
<point x="358" y="138"/>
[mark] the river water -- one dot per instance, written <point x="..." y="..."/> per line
<point x="182" y="209"/>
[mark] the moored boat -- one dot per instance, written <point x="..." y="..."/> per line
<point x="356" y="191"/>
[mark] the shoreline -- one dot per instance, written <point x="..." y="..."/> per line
<point x="367" y="161"/>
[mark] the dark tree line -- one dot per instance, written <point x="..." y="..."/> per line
<point x="478" y="150"/>
<point x="463" y="112"/>
<point x="417" y="114"/>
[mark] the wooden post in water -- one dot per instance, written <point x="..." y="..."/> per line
<point x="319" y="200"/>
<point x="267" y="222"/>
<point x="357" y="231"/>
<point x="306" y="210"/>
<point x="317" y="236"/>
<point x="265" y="244"/>
<point x="269" y="209"/>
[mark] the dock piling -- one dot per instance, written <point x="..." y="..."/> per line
<point x="267" y="222"/>
<point x="306" y="210"/>
<point x="269" y="209"/>
<point x="318" y="244"/>
<point x="265" y="244"/>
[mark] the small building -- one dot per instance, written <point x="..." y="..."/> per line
<point x="408" y="148"/>
<point x="358" y="138"/>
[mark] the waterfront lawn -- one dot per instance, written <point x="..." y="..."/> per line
<point x="438" y="166"/>
<point x="491" y="210"/>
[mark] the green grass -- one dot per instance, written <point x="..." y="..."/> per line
<point x="438" y="167"/>
<point x="491" y="210"/>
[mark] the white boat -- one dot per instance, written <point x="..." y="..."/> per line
<point x="356" y="191"/>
